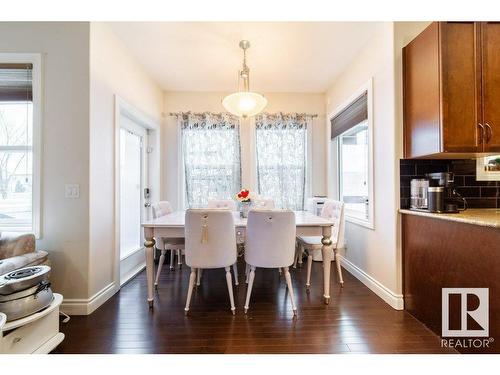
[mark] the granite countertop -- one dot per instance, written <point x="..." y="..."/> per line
<point x="488" y="217"/>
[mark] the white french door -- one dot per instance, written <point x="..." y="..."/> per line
<point x="133" y="181"/>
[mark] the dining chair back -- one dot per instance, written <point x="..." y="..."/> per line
<point x="210" y="243"/>
<point x="270" y="243"/>
<point x="270" y="239"/>
<point x="334" y="210"/>
<point x="264" y="204"/>
<point x="210" y="238"/>
<point x="161" y="208"/>
<point x="227" y="204"/>
<point x="165" y="244"/>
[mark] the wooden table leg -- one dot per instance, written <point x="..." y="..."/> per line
<point x="149" y="243"/>
<point x="327" y="261"/>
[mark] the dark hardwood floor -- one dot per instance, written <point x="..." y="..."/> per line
<point x="355" y="321"/>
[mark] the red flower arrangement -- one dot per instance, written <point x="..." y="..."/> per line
<point x="244" y="196"/>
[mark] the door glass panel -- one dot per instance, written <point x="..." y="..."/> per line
<point x="130" y="192"/>
<point x="353" y="152"/>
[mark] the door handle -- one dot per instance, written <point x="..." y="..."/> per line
<point x="482" y="133"/>
<point x="147" y="204"/>
<point x="489" y="132"/>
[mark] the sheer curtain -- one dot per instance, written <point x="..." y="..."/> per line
<point x="281" y="148"/>
<point x="211" y="152"/>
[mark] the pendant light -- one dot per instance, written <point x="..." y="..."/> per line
<point x="244" y="103"/>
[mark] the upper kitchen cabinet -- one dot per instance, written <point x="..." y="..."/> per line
<point x="490" y="57"/>
<point x="451" y="78"/>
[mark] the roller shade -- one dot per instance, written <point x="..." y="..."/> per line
<point x="16" y="82"/>
<point x="350" y="116"/>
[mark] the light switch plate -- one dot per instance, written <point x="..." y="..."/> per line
<point x="72" y="191"/>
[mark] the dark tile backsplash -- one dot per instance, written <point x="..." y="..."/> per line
<point x="479" y="194"/>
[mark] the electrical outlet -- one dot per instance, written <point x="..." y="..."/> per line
<point x="72" y="191"/>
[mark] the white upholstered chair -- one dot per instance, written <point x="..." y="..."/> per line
<point x="263" y="204"/>
<point x="227" y="204"/>
<point x="160" y="209"/>
<point x="333" y="210"/>
<point x="210" y="243"/>
<point x="270" y="243"/>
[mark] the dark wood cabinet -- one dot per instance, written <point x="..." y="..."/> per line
<point x="451" y="78"/>
<point x="490" y="56"/>
<point x="438" y="254"/>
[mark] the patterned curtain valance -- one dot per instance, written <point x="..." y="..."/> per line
<point x="206" y="120"/>
<point x="283" y="120"/>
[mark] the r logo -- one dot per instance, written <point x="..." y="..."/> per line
<point x="465" y="312"/>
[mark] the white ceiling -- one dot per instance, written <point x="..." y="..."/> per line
<point x="284" y="56"/>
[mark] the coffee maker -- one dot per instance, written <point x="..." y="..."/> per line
<point x="453" y="201"/>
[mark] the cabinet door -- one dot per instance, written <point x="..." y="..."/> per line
<point x="460" y="79"/>
<point x="422" y="133"/>
<point x="490" y="35"/>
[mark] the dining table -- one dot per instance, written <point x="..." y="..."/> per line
<point x="173" y="224"/>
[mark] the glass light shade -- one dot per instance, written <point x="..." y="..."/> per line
<point x="244" y="103"/>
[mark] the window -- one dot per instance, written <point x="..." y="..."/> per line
<point x="353" y="158"/>
<point x="351" y="135"/>
<point x="19" y="134"/>
<point x="211" y="153"/>
<point x="488" y="168"/>
<point x="281" y="149"/>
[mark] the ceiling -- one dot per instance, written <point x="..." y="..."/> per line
<point x="283" y="57"/>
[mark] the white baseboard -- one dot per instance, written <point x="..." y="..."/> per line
<point x="394" y="300"/>
<point x="132" y="273"/>
<point x="88" y="306"/>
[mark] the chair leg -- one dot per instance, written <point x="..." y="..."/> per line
<point x="309" y="268"/>
<point x="160" y="265"/>
<point x="301" y="253"/>
<point x="192" y="280"/>
<point x="249" y="288"/>
<point x="179" y="258"/>
<point x="198" y="280"/>
<point x="172" y="255"/>
<point x="339" y="268"/>
<point x="247" y="272"/>
<point x="290" y="289"/>
<point x="235" y="271"/>
<point x="230" y="288"/>
<point x="296" y="257"/>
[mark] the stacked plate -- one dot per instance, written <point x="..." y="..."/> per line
<point x="25" y="291"/>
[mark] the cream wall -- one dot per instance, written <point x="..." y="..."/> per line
<point x="211" y="101"/>
<point x="374" y="256"/>
<point x="65" y="140"/>
<point x="113" y="71"/>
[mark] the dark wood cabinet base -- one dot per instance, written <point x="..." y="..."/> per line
<point x="444" y="254"/>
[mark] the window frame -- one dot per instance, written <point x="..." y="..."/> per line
<point x="334" y="152"/>
<point x="36" y="60"/>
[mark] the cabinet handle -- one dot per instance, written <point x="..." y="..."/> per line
<point x="489" y="132"/>
<point x="482" y="133"/>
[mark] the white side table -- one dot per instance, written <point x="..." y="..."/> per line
<point x="37" y="333"/>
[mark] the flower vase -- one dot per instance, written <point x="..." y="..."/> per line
<point x="245" y="208"/>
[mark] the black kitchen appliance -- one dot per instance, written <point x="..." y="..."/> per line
<point x="453" y="201"/>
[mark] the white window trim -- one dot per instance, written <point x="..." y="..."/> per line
<point x="36" y="60"/>
<point x="333" y="149"/>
